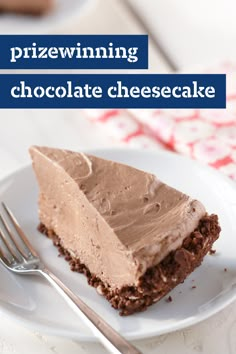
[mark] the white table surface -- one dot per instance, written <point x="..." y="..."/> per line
<point x="192" y="32"/>
<point x="21" y="128"/>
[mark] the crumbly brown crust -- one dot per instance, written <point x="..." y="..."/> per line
<point x="158" y="280"/>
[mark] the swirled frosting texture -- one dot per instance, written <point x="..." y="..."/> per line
<point x="132" y="219"/>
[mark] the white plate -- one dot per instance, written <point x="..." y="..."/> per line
<point x="64" y="13"/>
<point x="34" y="303"/>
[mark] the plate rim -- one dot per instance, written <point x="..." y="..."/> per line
<point x="180" y="325"/>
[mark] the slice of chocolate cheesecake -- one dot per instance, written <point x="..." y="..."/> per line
<point x="33" y="7"/>
<point x="133" y="236"/>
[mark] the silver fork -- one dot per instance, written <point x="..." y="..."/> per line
<point x="20" y="257"/>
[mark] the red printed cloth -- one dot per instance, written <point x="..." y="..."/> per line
<point x="206" y="135"/>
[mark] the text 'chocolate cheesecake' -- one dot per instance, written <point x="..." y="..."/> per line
<point x="133" y="236"/>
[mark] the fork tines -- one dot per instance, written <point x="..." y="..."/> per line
<point x="14" y="246"/>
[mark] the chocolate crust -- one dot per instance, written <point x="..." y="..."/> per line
<point x="158" y="280"/>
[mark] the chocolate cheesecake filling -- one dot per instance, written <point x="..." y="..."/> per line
<point x="118" y="220"/>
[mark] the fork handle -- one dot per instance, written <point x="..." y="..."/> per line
<point x="111" y="339"/>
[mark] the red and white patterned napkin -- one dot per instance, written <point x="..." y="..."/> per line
<point x="206" y="135"/>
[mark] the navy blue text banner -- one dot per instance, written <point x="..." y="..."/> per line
<point x="74" y="52"/>
<point x="113" y="91"/>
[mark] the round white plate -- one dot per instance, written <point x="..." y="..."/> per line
<point x="34" y="303"/>
<point x="64" y="13"/>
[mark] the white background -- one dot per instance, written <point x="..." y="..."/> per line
<point x="21" y="128"/>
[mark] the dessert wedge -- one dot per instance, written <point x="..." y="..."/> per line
<point x="133" y="236"/>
